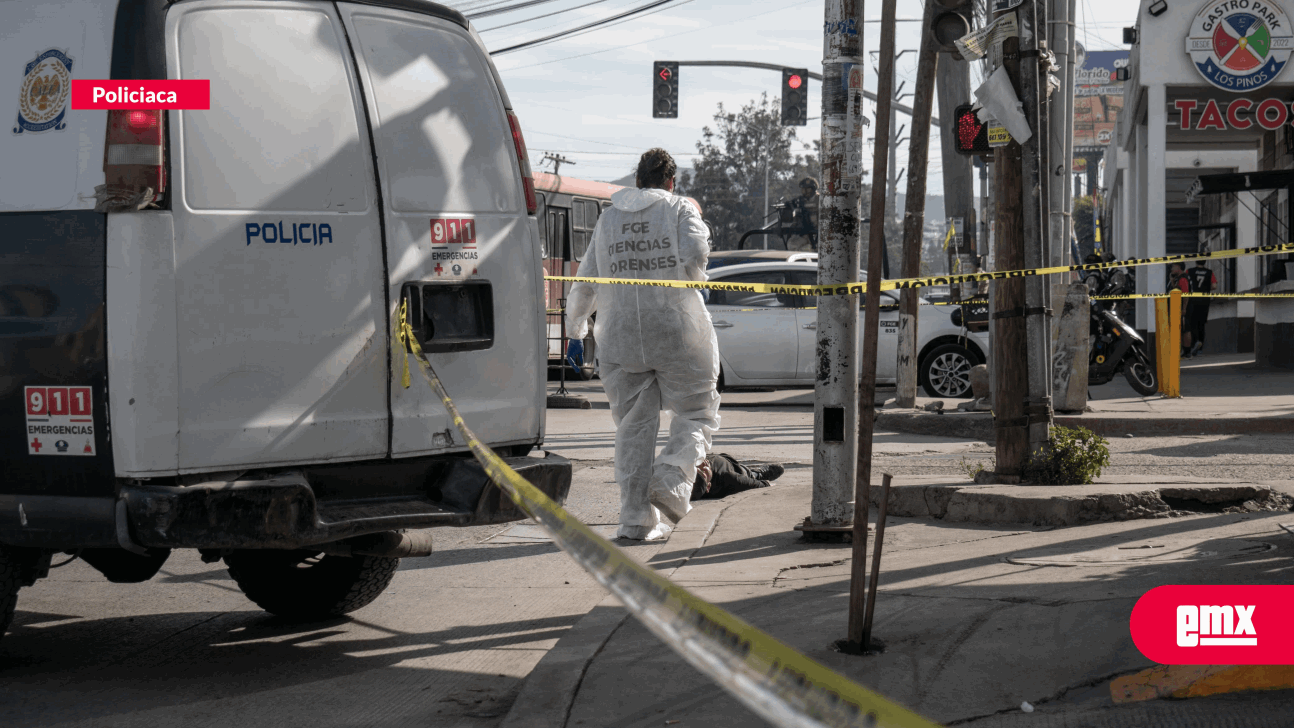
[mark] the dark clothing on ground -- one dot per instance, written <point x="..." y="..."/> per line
<point x="727" y="477"/>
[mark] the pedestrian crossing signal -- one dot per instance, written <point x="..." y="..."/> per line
<point x="665" y="90"/>
<point x="971" y="133"/>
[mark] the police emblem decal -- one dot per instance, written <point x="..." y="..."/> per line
<point x="43" y="95"/>
<point x="1240" y="45"/>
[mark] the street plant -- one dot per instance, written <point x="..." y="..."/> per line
<point x="1074" y="456"/>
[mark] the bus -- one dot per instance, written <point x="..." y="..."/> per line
<point x="569" y="208"/>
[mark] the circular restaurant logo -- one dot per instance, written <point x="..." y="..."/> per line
<point x="1240" y="45"/>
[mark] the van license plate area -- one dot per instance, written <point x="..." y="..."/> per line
<point x="449" y="317"/>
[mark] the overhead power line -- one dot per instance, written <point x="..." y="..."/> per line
<point x="587" y="26"/>
<point x="538" y="17"/>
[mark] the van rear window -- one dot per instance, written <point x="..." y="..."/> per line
<point x="282" y="132"/>
<point x="443" y="141"/>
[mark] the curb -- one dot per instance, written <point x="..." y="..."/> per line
<point x="977" y="426"/>
<point x="1068" y="505"/>
<point x="549" y="690"/>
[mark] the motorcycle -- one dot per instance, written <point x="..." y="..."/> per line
<point x="1117" y="347"/>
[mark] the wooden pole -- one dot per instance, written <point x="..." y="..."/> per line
<point x="1010" y="353"/>
<point x="876" y="562"/>
<point x="871" y="322"/>
<point x="914" y="217"/>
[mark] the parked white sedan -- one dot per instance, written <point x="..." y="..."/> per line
<point x="771" y="339"/>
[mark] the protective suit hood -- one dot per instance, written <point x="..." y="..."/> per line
<point x="633" y="199"/>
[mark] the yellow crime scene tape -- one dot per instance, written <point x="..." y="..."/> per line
<point x="772" y="679"/>
<point x="842" y="289"/>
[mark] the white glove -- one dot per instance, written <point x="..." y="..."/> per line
<point x="577" y="329"/>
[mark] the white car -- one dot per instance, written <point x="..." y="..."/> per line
<point x="771" y="339"/>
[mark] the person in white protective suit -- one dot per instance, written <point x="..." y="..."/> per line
<point x="656" y="345"/>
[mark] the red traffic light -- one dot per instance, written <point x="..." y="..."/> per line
<point x="664" y="73"/>
<point x="794" y="81"/>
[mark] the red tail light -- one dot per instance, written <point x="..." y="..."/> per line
<point x="523" y="159"/>
<point x="133" y="160"/>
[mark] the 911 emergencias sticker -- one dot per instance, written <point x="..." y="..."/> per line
<point x="60" y="420"/>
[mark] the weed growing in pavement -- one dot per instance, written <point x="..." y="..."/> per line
<point x="1075" y="457"/>
<point x="973" y="470"/>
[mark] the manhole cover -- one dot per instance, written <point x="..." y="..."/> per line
<point x="531" y="533"/>
<point x="1141" y="552"/>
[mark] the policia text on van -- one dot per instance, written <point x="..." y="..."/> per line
<point x="234" y="398"/>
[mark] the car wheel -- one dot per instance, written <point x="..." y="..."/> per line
<point x="945" y="372"/>
<point x="307" y="584"/>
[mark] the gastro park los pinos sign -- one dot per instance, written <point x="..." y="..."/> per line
<point x="1240" y="114"/>
<point x="1240" y="45"/>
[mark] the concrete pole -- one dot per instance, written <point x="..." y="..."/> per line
<point x="914" y="216"/>
<point x="1037" y="325"/>
<point x="871" y="322"/>
<point x="1061" y="139"/>
<point x="952" y="84"/>
<point x="835" y="398"/>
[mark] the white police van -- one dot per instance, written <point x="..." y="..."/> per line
<point x="197" y="307"/>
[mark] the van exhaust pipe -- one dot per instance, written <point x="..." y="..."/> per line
<point x="386" y="544"/>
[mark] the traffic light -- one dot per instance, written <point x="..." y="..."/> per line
<point x="664" y="83"/>
<point x="971" y="133"/>
<point x="951" y="22"/>
<point x="795" y="96"/>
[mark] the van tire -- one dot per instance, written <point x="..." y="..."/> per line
<point x="12" y="570"/>
<point x="308" y="584"/>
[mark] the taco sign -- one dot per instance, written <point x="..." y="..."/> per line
<point x="1240" y="45"/>
<point x="1240" y="114"/>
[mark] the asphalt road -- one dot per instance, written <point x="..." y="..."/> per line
<point x="452" y="639"/>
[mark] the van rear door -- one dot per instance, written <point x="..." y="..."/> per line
<point x="280" y="290"/>
<point x="458" y="235"/>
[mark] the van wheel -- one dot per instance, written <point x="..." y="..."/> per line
<point x="308" y="584"/>
<point x="11" y="580"/>
<point x="19" y="567"/>
<point x="945" y="372"/>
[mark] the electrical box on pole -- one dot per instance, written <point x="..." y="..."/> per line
<point x="664" y="104"/>
<point x="971" y="133"/>
<point x="795" y="96"/>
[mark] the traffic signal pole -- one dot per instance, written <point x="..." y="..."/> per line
<point x="835" y="399"/>
<point x="914" y="216"/>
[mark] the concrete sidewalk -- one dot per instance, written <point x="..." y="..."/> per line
<point x="1221" y="394"/>
<point x="977" y="618"/>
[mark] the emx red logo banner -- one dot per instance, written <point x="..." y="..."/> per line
<point x="144" y="95"/>
<point x="1215" y="625"/>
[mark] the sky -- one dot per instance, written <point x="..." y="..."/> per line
<point x="587" y="97"/>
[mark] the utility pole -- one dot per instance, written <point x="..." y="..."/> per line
<point x="835" y="398"/>
<point x="914" y="216"/>
<point x="1015" y="311"/>
<point x="952" y="83"/>
<point x="871" y="322"/>
<point x="557" y="160"/>
<point x="1037" y="288"/>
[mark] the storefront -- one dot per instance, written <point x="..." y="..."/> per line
<point x="1208" y="93"/>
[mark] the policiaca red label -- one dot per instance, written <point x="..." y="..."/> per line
<point x="1215" y="625"/>
<point x="189" y="95"/>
